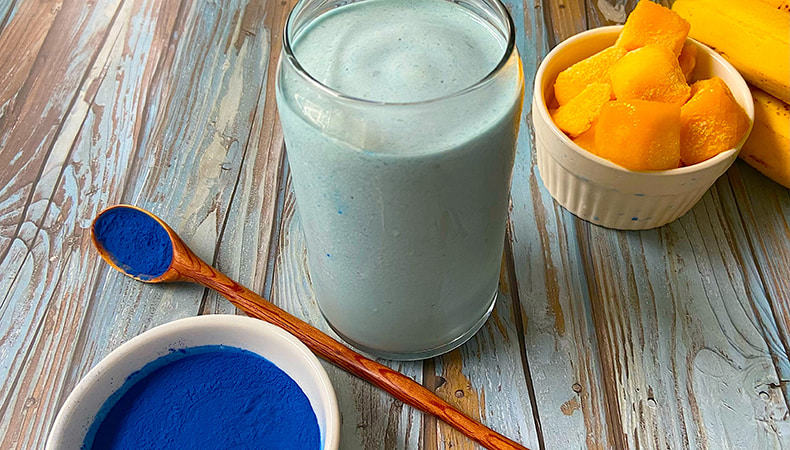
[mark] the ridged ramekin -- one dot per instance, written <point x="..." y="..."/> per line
<point x="602" y="192"/>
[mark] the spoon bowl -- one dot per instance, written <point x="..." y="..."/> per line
<point x="184" y="265"/>
<point x="182" y="257"/>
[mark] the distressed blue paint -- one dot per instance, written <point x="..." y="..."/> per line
<point x="45" y="270"/>
<point x="764" y="208"/>
<point x="544" y="261"/>
<point x="706" y="289"/>
<point x="7" y="10"/>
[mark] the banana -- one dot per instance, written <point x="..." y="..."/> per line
<point x="753" y="36"/>
<point x="782" y="5"/>
<point x="768" y="147"/>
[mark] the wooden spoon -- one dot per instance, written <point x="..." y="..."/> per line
<point x="186" y="266"/>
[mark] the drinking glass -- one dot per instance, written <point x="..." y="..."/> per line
<point x="403" y="205"/>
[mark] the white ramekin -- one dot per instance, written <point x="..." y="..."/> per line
<point x="602" y="192"/>
<point x="276" y="345"/>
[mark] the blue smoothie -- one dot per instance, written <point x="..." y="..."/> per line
<point x="400" y="131"/>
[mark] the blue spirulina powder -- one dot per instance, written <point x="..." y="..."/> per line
<point x="209" y="397"/>
<point x="137" y="242"/>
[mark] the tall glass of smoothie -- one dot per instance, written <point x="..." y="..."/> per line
<point x="400" y="120"/>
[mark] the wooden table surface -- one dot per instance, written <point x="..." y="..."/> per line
<point x="676" y="337"/>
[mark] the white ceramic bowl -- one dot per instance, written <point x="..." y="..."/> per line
<point x="601" y="191"/>
<point x="274" y="344"/>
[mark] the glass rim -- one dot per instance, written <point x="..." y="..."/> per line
<point x="509" y="49"/>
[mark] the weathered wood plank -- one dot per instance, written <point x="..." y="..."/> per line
<point x="161" y="111"/>
<point x="559" y="335"/>
<point x="371" y="419"/>
<point x="35" y="248"/>
<point x="673" y="318"/>
<point x="565" y="18"/>
<point x="764" y="209"/>
<point x="485" y="378"/>
<point x="676" y="337"/>
<point x="249" y="235"/>
<point x="20" y="42"/>
<point x="51" y="296"/>
<point x="34" y="99"/>
<point x="41" y="89"/>
<point x="7" y="10"/>
<point x="679" y="337"/>
<point x="195" y="129"/>
<point x="607" y="12"/>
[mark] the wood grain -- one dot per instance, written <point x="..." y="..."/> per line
<point x="131" y="126"/>
<point x="195" y="137"/>
<point x="559" y="336"/>
<point x="7" y="10"/>
<point x="20" y="42"/>
<point x="485" y="378"/>
<point x="35" y="98"/>
<point x="764" y="209"/>
<point x="681" y="337"/>
<point x="676" y="337"/>
<point x="673" y="334"/>
<point x="42" y="248"/>
<point x="248" y="236"/>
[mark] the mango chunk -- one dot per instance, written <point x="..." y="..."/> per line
<point x="651" y="23"/>
<point x="649" y="73"/>
<point x="576" y="116"/>
<point x="586" y="140"/>
<point x="639" y="135"/>
<point x="571" y="81"/>
<point x="710" y="122"/>
<point x="688" y="60"/>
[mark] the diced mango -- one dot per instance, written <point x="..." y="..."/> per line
<point x="688" y="60"/>
<point x="639" y="135"/>
<point x="576" y="116"/>
<point x="575" y="78"/>
<point x="710" y="122"/>
<point x="649" y="73"/>
<point x="586" y="140"/>
<point x="651" y="23"/>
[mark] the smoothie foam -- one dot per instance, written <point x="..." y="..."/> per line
<point x="403" y="204"/>
<point x="399" y="51"/>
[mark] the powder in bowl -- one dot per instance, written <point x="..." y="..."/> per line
<point x="207" y="397"/>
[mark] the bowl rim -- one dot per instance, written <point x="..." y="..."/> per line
<point x="539" y="102"/>
<point x="328" y="397"/>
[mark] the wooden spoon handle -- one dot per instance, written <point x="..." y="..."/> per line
<point x="400" y="386"/>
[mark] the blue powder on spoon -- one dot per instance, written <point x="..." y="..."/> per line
<point x="137" y="243"/>
<point x="209" y="397"/>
